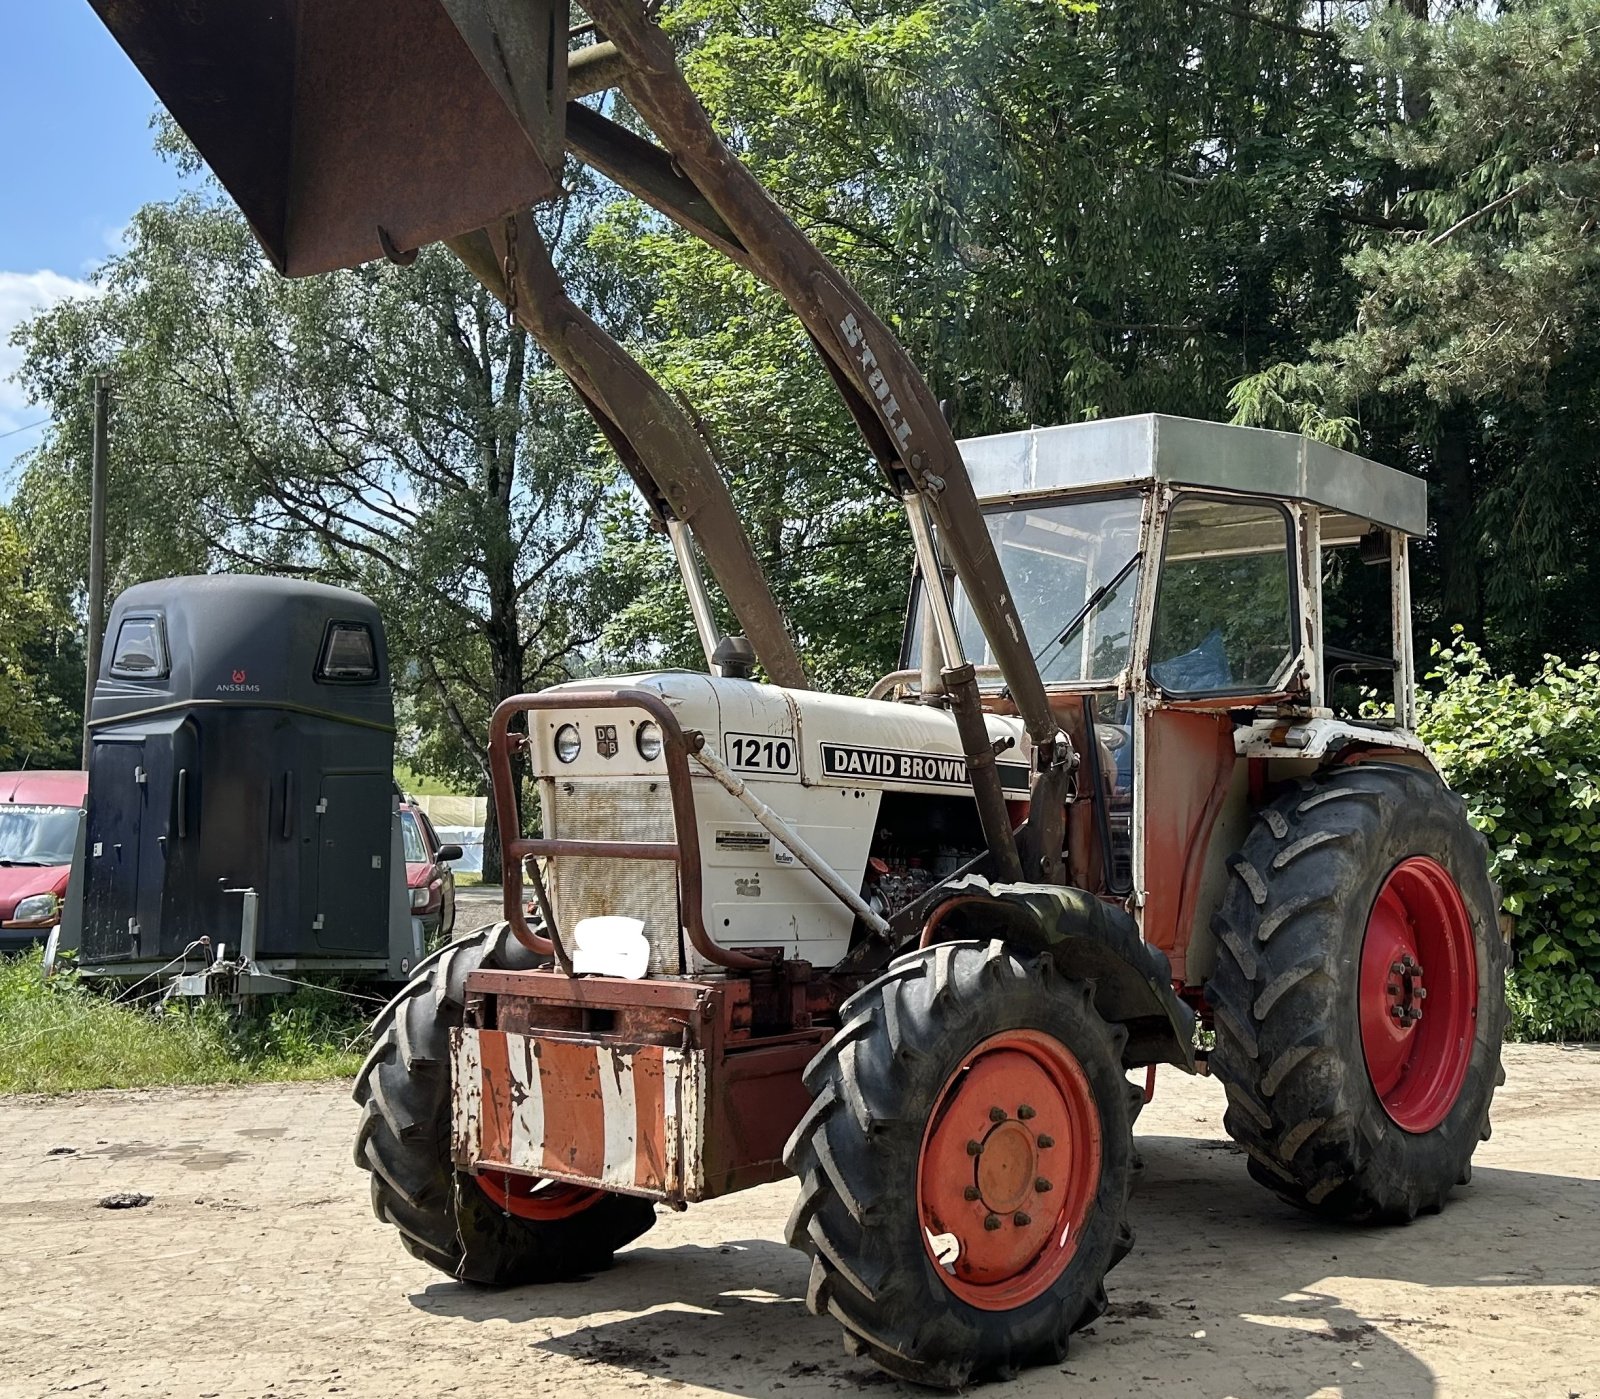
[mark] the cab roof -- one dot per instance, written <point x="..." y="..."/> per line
<point x="1189" y="452"/>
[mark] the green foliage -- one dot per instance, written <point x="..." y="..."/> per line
<point x="1527" y="760"/>
<point x="59" y="1036"/>
<point x="1067" y="210"/>
<point x="41" y="665"/>
<point x="1473" y="354"/>
<point x="1549" y="1005"/>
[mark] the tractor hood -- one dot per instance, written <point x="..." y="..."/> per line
<point x="799" y="735"/>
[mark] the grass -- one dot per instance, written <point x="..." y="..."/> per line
<point x="415" y="784"/>
<point x="61" y="1036"/>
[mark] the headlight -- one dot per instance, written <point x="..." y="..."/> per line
<point x="648" y="741"/>
<point x="419" y="897"/>
<point x="35" y="908"/>
<point x="568" y="744"/>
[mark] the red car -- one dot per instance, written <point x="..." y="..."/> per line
<point x="39" y="814"/>
<point x="428" y="875"/>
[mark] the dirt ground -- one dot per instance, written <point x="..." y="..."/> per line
<point x="256" y="1270"/>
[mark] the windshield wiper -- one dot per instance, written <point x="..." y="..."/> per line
<point x="40" y="864"/>
<point x="1091" y="602"/>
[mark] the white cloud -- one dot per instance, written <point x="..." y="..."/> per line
<point x="21" y="295"/>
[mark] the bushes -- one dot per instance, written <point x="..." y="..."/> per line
<point x="59" y="1036"/>
<point x="1527" y="760"/>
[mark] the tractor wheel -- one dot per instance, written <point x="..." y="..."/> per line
<point x="495" y="1229"/>
<point x="964" y="1167"/>
<point x="1359" y="994"/>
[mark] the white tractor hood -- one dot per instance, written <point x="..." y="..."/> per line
<point x="802" y="736"/>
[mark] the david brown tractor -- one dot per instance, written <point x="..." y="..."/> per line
<point x="907" y="948"/>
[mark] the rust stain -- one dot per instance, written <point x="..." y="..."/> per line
<point x="649" y="1096"/>
<point x="494" y="1142"/>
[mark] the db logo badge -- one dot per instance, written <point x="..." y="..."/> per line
<point x="238" y="677"/>
<point x="605" y="739"/>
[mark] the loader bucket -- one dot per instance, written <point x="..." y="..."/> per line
<point x="347" y="129"/>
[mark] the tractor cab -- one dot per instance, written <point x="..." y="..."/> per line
<point x="1198" y="601"/>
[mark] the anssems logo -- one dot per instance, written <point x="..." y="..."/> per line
<point x="239" y="685"/>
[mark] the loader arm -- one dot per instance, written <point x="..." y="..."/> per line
<point x="351" y="129"/>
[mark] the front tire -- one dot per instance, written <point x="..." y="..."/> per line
<point x="1359" y="994"/>
<point x="496" y="1231"/>
<point x="965" y="1166"/>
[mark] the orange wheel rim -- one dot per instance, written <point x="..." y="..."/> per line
<point x="1418" y="994"/>
<point x="1009" y="1169"/>
<point x="528" y="1197"/>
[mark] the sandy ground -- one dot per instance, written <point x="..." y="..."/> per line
<point x="257" y="1270"/>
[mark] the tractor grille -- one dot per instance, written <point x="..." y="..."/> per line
<point x="583" y="886"/>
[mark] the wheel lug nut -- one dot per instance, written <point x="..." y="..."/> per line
<point x="1025" y="1112"/>
<point x="1044" y="1141"/>
<point x="1398" y="1012"/>
<point x="1420" y="993"/>
<point x="997" y="1114"/>
<point x="1392" y="989"/>
<point x="971" y="1193"/>
<point x="1022" y="1219"/>
<point x="991" y="1222"/>
<point x="974" y="1148"/>
<point x="1396" y="968"/>
<point x="1042" y="1186"/>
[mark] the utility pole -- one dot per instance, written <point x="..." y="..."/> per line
<point x="97" y="552"/>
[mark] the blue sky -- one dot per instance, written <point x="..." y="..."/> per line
<point x="79" y="162"/>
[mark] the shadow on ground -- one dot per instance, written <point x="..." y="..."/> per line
<point x="1228" y="1291"/>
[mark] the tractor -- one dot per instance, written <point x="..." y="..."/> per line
<point x="1125" y="803"/>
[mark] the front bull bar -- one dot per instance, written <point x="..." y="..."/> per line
<point x="684" y="851"/>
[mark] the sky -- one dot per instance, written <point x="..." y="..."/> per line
<point x="78" y="163"/>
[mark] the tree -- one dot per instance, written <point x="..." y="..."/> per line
<point x="828" y="535"/>
<point x="1473" y="354"/>
<point x="1067" y="211"/>
<point x="383" y="429"/>
<point x="41" y="668"/>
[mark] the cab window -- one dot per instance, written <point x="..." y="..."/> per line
<point x="1224" y="620"/>
<point x="141" y="650"/>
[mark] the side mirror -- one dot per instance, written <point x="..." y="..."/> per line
<point x="447" y="853"/>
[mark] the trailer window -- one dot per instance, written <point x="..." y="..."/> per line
<point x="348" y="655"/>
<point x="141" y="650"/>
<point x="1225" y="608"/>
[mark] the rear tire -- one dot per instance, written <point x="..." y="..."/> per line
<point x="1345" y="1106"/>
<point x="442" y="1215"/>
<point x="880" y="1157"/>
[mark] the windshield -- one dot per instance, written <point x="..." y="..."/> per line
<point x="37" y="835"/>
<point x="416" y="852"/>
<point x="1074" y="570"/>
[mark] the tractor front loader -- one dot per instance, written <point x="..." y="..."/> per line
<point x="905" y="947"/>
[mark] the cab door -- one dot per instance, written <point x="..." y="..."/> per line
<point x="1225" y="634"/>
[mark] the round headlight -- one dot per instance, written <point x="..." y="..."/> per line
<point x="568" y="744"/>
<point x="648" y="741"/>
